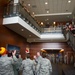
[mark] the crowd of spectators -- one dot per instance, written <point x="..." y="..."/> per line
<point x="70" y="27"/>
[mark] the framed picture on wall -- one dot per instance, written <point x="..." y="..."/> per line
<point x="10" y="48"/>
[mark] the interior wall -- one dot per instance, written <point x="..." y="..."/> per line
<point x="35" y="47"/>
<point x="7" y="36"/>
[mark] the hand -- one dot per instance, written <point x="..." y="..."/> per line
<point x="13" y="53"/>
<point x="34" y="57"/>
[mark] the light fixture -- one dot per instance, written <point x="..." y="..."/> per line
<point x="33" y="13"/>
<point x="69" y="1"/>
<point x="22" y="29"/>
<point x="47" y="19"/>
<point x="41" y="23"/>
<point x="61" y="50"/>
<point x="46" y="3"/>
<point x="28" y="4"/>
<point x="29" y="35"/>
<point x="42" y="50"/>
<point x="47" y="11"/>
<point x="54" y="23"/>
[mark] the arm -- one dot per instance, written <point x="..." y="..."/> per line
<point x="50" y="67"/>
<point x="22" y="66"/>
<point x="14" y="57"/>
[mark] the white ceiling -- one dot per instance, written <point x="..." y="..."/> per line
<point x="58" y="10"/>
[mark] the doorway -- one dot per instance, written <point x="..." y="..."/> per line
<point x="55" y="55"/>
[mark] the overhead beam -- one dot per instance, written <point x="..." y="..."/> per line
<point x="53" y="14"/>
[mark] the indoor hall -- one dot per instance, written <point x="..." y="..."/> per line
<point x="60" y="63"/>
<point x="35" y="25"/>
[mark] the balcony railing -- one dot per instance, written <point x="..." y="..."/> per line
<point x="53" y="30"/>
<point x="13" y="10"/>
<point x="70" y="38"/>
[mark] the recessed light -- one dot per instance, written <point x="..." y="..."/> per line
<point x="46" y="3"/>
<point x="69" y="1"/>
<point x="22" y="29"/>
<point x="33" y="13"/>
<point x="47" y="19"/>
<point x="47" y="11"/>
<point x="41" y="23"/>
<point x="54" y="23"/>
<point x="28" y="4"/>
<point x="29" y="35"/>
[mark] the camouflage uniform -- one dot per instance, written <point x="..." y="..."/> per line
<point x="16" y="66"/>
<point x="45" y="67"/>
<point x="6" y="67"/>
<point x="34" y="66"/>
<point x="38" y="65"/>
<point x="39" y="59"/>
<point x="27" y="67"/>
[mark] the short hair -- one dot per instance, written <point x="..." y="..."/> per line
<point x="9" y="54"/>
<point x="44" y="54"/>
<point x="28" y="55"/>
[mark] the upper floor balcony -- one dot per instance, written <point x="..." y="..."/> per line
<point x="18" y="19"/>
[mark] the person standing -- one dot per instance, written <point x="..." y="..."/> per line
<point x="27" y="66"/>
<point x="17" y="64"/>
<point x="65" y="59"/>
<point x="39" y="58"/>
<point x="6" y="62"/>
<point x="45" y="65"/>
<point x="35" y="65"/>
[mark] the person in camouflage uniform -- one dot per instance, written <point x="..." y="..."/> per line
<point x="27" y="66"/>
<point x="17" y="64"/>
<point x="6" y="62"/>
<point x="38" y="59"/>
<point x="35" y="64"/>
<point x="45" y="66"/>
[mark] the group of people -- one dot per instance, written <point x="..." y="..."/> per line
<point x="13" y="65"/>
<point x="9" y="62"/>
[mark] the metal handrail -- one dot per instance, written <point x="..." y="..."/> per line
<point x="70" y="38"/>
<point x="18" y="10"/>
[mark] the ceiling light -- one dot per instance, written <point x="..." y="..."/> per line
<point x="41" y="23"/>
<point x="28" y="4"/>
<point x="46" y="3"/>
<point x="22" y="29"/>
<point x="54" y="22"/>
<point x="29" y="35"/>
<point x="61" y="50"/>
<point x="33" y="13"/>
<point x="47" y="11"/>
<point x="69" y="1"/>
<point x="47" y="19"/>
